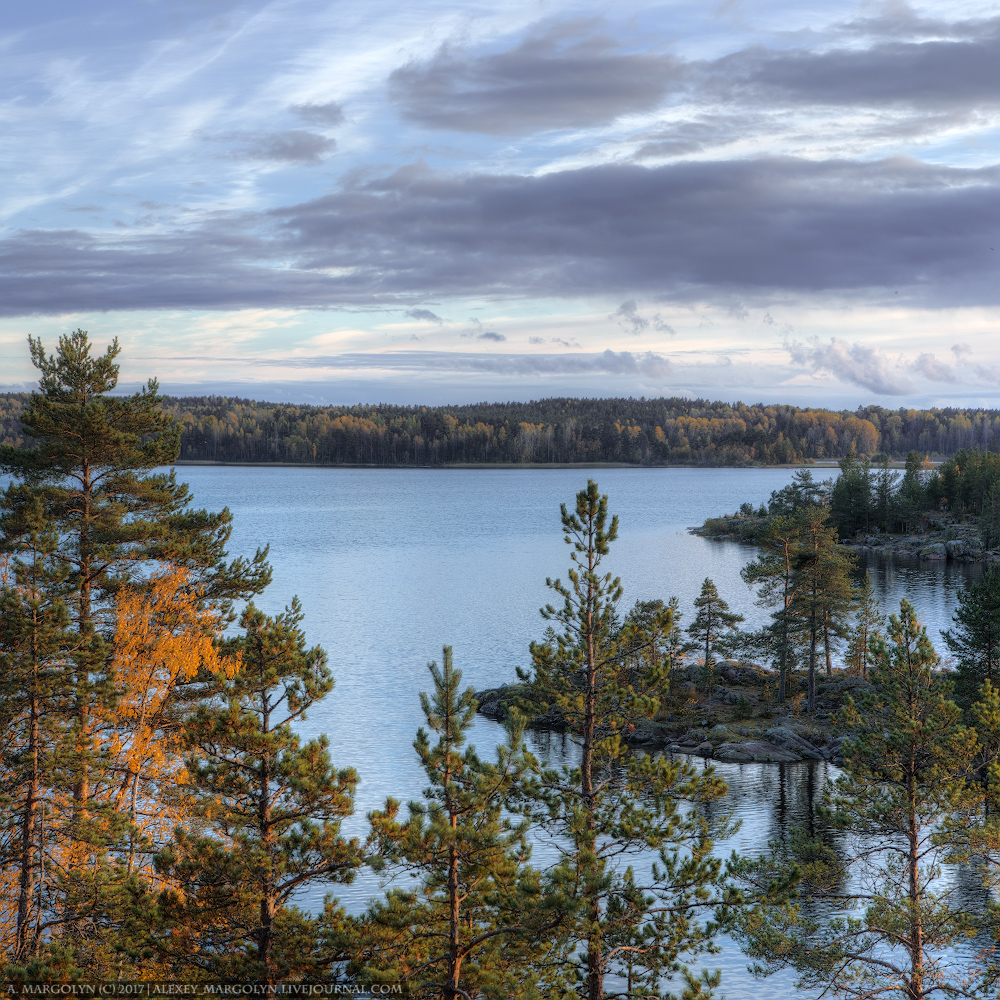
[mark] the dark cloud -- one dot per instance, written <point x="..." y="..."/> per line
<point x="291" y="146"/>
<point x="425" y="315"/>
<point x="734" y="229"/>
<point x="559" y="77"/>
<point x="491" y="335"/>
<point x="934" y="73"/>
<point x="327" y="115"/>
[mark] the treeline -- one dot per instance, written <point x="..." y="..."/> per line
<point x="866" y="498"/>
<point x="634" y="431"/>
<point x="160" y="813"/>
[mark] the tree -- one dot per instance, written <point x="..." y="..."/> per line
<point x="868" y="623"/>
<point x="910" y="497"/>
<point x="851" y="497"/>
<point x="273" y="806"/>
<point x="35" y="640"/>
<point x="713" y="627"/>
<point x="474" y="924"/>
<point x="772" y="572"/>
<point x="821" y="586"/>
<point x="975" y="639"/>
<point x="908" y="795"/>
<point x="616" y="804"/>
<point x="884" y="494"/>
<point x="114" y="523"/>
<point x="92" y="470"/>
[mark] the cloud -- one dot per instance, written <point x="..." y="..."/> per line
<point x="327" y="115"/>
<point x="960" y="350"/>
<point x="291" y="146"/>
<point x="742" y="228"/>
<point x="630" y="319"/>
<point x="536" y="340"/>
<point x="857" y="364"/>
<point x="491" y="335"/>
<point x="607" y="362"/>
<point x="939" y="72"/>
<point x="561" y="76"/>
<point x="937" y="371"/>
<point x="425" y="315"/>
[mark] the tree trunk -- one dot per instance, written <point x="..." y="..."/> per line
<point x="813" y="636"/>
<point x="26" y="882"/>
<point x="595" y="972"/>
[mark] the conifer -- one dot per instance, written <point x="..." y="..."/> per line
<point x="615" y="804"/>
<point x="713" y="628"/>
<point x="272" y="806"/>
<point x="116" y="523"/>
<point x="474" y="923"/>
<point x="908" y="796"/>
<point x="975" y="638"/>
<point x="868" y="624"/>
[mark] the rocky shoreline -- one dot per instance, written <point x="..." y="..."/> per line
<point x="771" y="735"/>
<point x="940" y="540"/>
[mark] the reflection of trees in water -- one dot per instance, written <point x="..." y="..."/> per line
<point x="932" y="587"/>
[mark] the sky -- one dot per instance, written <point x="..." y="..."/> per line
<point x="447" y="202"/>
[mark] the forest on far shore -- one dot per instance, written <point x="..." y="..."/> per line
<point x="634" y="431"/>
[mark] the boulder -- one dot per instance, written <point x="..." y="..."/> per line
<point x="955" y="548"/>
<point x="936" y="552"/>
<point x="755" y="751"/>
<point x="788" y="739"/>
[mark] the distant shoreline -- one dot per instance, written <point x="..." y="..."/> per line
<point x="475" y="466"/>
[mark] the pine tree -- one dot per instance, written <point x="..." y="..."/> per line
<point x="772" y="573"/>
<point x="908" y="796"/>
<point x="35" y="640"/>
<point x="821" y="588"/>
<point x="475" y="923"/>
<point x="615" y="803"/>
<point x="975" y="639"/>
<point x="116" y="523"/>
<point x="713" y="628"/>
<point x="868" y="623"/>
<point x="273" y="806"/>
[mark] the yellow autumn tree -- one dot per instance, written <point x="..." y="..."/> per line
<point x="164" y="648"/>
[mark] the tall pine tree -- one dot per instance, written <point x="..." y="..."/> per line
<point x="616" y="804"/>
<point x="273" y="806"/>
<point x="908" y="797"/>
<point x="475" y="923"/>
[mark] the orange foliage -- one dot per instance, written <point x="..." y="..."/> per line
<point x="164" y="637"/>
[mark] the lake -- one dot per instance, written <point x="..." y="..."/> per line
<point x="390" y="565"/>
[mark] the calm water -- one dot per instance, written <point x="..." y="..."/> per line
<point x="392" y="564"/>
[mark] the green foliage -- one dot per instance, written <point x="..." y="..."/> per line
<point x="821" y="596"/>
<point x="908" y="797"/>
<point x="712" y="631"/>
<point x="975" y="639"/>
<point x="866" y="626"/>
<point x="270" y="807"/>
<point x="86" y="515"/>
<point x="616" y="803"/>
<point x="475" y="920"/>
